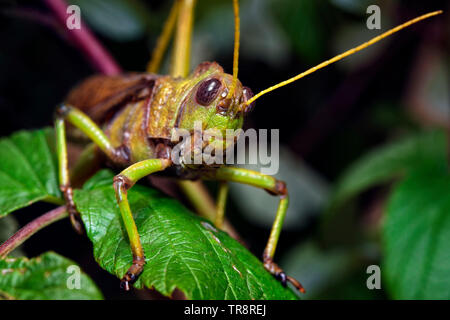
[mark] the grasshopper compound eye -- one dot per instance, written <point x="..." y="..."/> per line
<point x="247" y="93"/>
<point x="208" y="91"/>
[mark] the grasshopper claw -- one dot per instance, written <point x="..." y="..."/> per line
<point x="296" y="284"/>
<point x="76" y="223"/>
<point x="74" y="215"/>
<point x="124" y="285"/>
<point x="133" y="273"/>
<point x="281" y="276"/>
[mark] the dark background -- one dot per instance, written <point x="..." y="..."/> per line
<point x="328" y="119"/>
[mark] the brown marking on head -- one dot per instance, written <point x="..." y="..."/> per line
<point x="205" y="66"/>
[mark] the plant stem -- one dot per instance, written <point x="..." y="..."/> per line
<point x="164" y="39"/>
<point x="199" y="197"/>
<point x="204" y="205"/>
<point x="83" y="38"/>
<point x="182" y="47"/>
<point x="31" y="228"/>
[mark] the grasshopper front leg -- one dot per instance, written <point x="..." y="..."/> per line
<point x="274" y="187"/>
<point x="122" y="183"/>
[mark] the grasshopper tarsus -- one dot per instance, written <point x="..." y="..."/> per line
<point x="296" y="284"/>
<point x="76" y="223"/>
<point x="74" y="215"/>
<point x="280" y="275"/>
<point x="133" y="273"/>
<point x="124" y="285"/>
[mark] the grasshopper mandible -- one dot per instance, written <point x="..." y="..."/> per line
<point x="130" y="118"/>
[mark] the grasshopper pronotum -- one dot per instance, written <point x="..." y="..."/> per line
<point x="137" y="113"/>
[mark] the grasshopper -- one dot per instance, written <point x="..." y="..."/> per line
<point x="130" y="118"/>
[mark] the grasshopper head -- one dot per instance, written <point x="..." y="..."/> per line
<point x="208" y="100"/>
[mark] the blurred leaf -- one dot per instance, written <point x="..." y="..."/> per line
<point x="416" y="229"/>
<point x="216" y="18"/>
<point x="321" y="270"/>
<point x="388" y="115"/>
<point x="337" y="272"/>
<point x="302" y="21"/>
<point x="316" y="268"/>
<point x="27" y="170"/>
<point x="416" y="236"/>
<point x="387" y="162"/>
<point x="429" y="98"/>
<point x="43" y="278"/>
<point x="182" y="250"/>
<point x="121" y="20"/>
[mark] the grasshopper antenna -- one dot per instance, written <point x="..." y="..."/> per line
<point x="237" y="33"/>
<point x="343" y="55"/>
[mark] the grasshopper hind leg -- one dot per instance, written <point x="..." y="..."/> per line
<point x="274" y="187"/>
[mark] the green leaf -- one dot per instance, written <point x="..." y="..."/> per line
<point x="389" y="161"/>
<point x="416" y="237"/>
<point x="43" y="278"/>
<point x="28" y="170"/>
<point x="182" y="250"/>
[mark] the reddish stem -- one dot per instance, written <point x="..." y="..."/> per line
<point x="31" y="228"/>
<point x="100" y="59"/>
